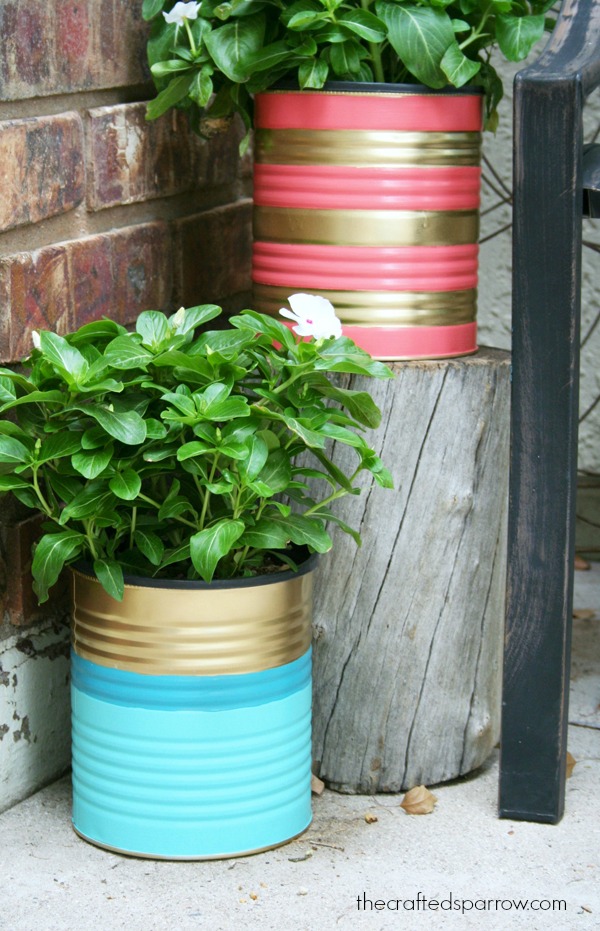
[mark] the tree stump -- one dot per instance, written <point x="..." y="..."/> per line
<point x="408" y="629"/>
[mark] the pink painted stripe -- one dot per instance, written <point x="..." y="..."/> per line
<point x="331" y="187"/>
<point x="390" y="343"/>
<point x="428" y="342"/>
<point x="365" y="268"/>
<point x="410" y="113"/>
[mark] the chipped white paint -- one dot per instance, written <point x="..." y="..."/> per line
<point x="35" y="740"/>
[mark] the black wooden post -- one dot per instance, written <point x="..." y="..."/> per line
<point x="548" y="199"/>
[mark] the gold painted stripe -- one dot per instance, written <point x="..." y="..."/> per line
<point x="366" y="227"/>
<point x="378" y="148"/>
<point x="161" y="631"/>
<point x="383" y="308"/>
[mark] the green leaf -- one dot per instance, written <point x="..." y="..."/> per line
<point x="209" y="546"/>
<point x="151" y="8"/>
<point x="51" y="554"/>
<point x="231" y="46"/>
<point x="344" y="58"/>
<point x="162" y="69"/>
<point x="193" y="448"/>
<point x="150" y="544"/>
<point x="126" y="426"/>
<point x="213" y="406"/>
<point x="96" y="333"/>
<point x="179" y="554"/>
<point x="266" y="534"/>
<point x="126" y="352"/>
<point x="11" y="450"/>
<point x="153" y="327"/>
<point x="62" y="355"/>
<point x="517" y="35"/>
<point x="457" y="67"/>
<point x="7" y="389"/>
<point x="36" y="397"/>
<point x="193" y="317"/>
<point x="155" y="430"/>
<point x="268" y="326"/>
<point x="10" y="482"/>
<point x="275" y="476"/>
<point x="359" y="404"/>
<point x="126" y="484"/>
<point x="93" y="438"/>
<point x="173" y="93"/>
<point x="251" y="467"/>
<point x="90" y="463"/>
<point x="335" y="432"/>
<point x="308" y="531"/>
<point x="364" y="24"/>
<point x="342" y="355"/>
<point x="313" y="74"/>
<point x="307" y="435"/>
<point x="91" y="501"/>
<point x="420" y="36"/>
<point x="58" y="446"/>
<point x="110" y="576"/>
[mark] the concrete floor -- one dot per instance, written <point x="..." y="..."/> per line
<point x="345" y="872"/>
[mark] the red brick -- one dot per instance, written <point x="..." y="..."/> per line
<point x="20" y="602"/>
<point x="116" y="274"/>
<point x="142" y="269"/>
<point x="60" y="46"/>
<point x="132" y="159"/>
<point x="35" y="288"/>
<point x="214" y="254"/>
<point x="41" y="168"/>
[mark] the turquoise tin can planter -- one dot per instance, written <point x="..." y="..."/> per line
<point x="191" y="715"/>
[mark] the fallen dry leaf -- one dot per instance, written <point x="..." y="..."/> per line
<point x="571" y="763"/>
<point x="418" y="801"/>
<point x="371" y="819"/>
<point x="581" y="563"/>
<point x="316" y="785"/>
<point x="584" y="614"/>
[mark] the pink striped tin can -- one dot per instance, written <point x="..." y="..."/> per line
<point x="369" y="195"/>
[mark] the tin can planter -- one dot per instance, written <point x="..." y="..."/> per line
<point x="369" y="194"/>
<point x="192" y="714"/>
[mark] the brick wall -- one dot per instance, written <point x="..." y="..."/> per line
<point x="101" y="213"/>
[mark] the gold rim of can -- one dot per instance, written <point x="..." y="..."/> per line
<point x="193" y="631"/>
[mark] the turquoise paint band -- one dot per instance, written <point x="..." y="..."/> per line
<point x="192" y="783"/>
<point x="213" y="693"/>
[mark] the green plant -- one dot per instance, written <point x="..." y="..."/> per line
<point x="210" y="57"/>
<point x="163" y="450"/>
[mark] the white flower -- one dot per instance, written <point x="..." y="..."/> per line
<point x="314" y="316"/>
<point x="178" y="319"/>
<point x="181" y="12"/>
<point x="35" y="339"/>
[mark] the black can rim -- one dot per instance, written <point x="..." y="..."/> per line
<point x="366" y="87"/>
<point x="307" y="563"/>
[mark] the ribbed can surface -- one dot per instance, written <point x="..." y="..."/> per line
<point x="372" y="200"/>
<point x="195" y="764"/>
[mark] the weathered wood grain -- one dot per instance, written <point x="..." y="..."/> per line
<point x="408" y="629"/>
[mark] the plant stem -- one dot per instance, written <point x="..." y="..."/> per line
<point x="155" y="504"/>
<point x="132" y="529"/>
<point x="36" y="487"/>
<point x="207" y="492"/>
<point x="193" y="48"/>
<point x="333" y="496"/>
<point x="88" y="527"/>
<point x="374" y="50"/>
